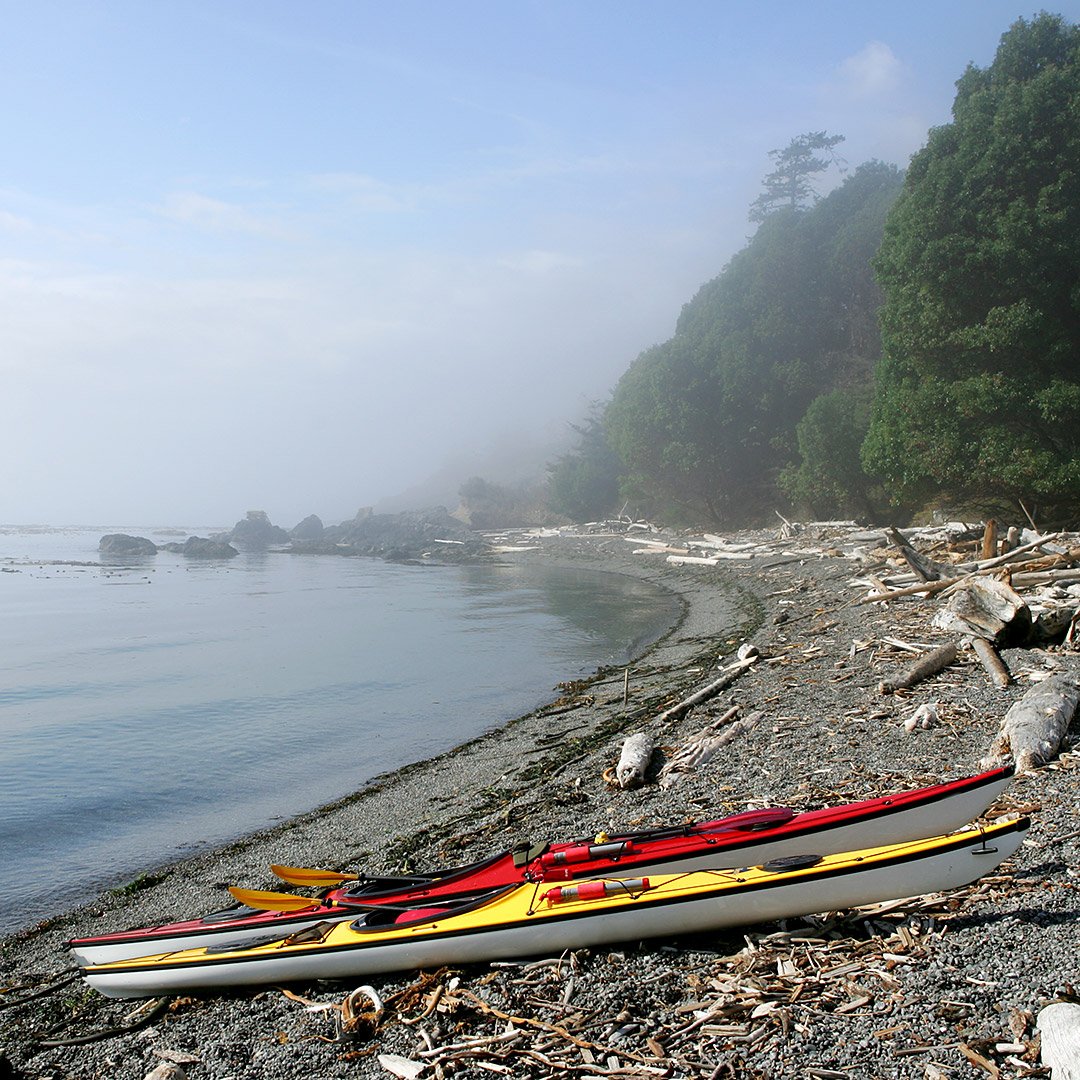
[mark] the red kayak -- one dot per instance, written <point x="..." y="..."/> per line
<point x="746" y="839"/>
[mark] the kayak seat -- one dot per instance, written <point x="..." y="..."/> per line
<point x="367" y="885"/>
<point x="417" y="914"/>
<point x="790" y="862"/>
<point x="524" y="853"/>
<point x="238" y="911"/>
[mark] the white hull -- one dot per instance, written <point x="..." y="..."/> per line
<point x="909" y="822"/>
<point x="526" y="926"/>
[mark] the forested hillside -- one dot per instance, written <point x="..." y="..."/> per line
<point x="909" y="339"/>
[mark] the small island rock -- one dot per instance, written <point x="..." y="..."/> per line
<point x="121" y="544"/>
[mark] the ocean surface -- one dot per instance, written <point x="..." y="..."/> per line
<point x="148" y="710"/>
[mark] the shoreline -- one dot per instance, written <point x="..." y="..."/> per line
<point x="826" y="736"/>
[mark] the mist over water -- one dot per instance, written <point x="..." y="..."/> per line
<point x="148" y="710"/>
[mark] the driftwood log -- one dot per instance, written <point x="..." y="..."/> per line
<point x="1059" y="1025"/>
<point x="637" y="752"/>
<point x="1034" y="728"/>
<point x="930" y="664"/>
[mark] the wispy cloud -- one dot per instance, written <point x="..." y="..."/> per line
<point x="540" y="262"/>
<point x="14" y="223"/>
<point x="365" y="193"/>
<point x="216" y="215"/>
<point x="872" y="71"/>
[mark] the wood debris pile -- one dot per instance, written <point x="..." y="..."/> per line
<point x="987" y="593"/>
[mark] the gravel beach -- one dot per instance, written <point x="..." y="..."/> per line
<point x="942" y="986"/>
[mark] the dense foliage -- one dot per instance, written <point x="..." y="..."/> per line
<point x="906" y="340"/>
<point x="978" y="393"/>
<point x="583" y="484"/>
<point x="707" y="420"/>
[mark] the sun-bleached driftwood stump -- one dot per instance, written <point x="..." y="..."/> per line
<point x="1059" y="1025"/>
<point x="1034" y="728"/>
<point x="637" y="752"/>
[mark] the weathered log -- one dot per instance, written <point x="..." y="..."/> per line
<point x="637" y="752"/>
<point x="731" y="673"/>
<point x="1045" y="577"/>
<point x="985" y="607"/>
<point x="923" y="668"/>
<point x="1033" y="729"/>
<point x="994" y="665"/>
<point x="1059" y="1025"/>
<point x="989" y="541"/>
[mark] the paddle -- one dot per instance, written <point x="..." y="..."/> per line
<point x="273" y="901"/>
<point x="306" y="875"/>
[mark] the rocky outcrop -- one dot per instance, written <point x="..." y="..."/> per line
<point x="414" y="535"/>
<point x="121" y="545"/>
<point x="311" y="528"/>
<point x="256" y="533"/>
<point x="199" y="547"/>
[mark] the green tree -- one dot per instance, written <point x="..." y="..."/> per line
<point x="829" y="480"/>
<point x="583" y="484"/>
<point x="707" y="420"/>
<point x="978" y="391"/>
<point x="788" y="186"/>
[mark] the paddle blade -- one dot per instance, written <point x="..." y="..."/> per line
<point x="273" y="901"/>
<point x="304" y="875"/>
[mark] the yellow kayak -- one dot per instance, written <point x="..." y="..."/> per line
<point x="539" y="918"/>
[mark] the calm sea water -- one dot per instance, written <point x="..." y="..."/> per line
<point x="148" y="710"/>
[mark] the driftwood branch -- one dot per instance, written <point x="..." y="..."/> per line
<point x="731" y="673"/>
<point x="924" y="567"/>
<point x="1011" y="555"/>
<point x="705" y="744"/>
<point x="928" y="587"/>
<point x="923" y="668"/>
<point x="994" y="665"/>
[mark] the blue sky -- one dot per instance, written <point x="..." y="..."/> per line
<point x="302" y="257"/>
